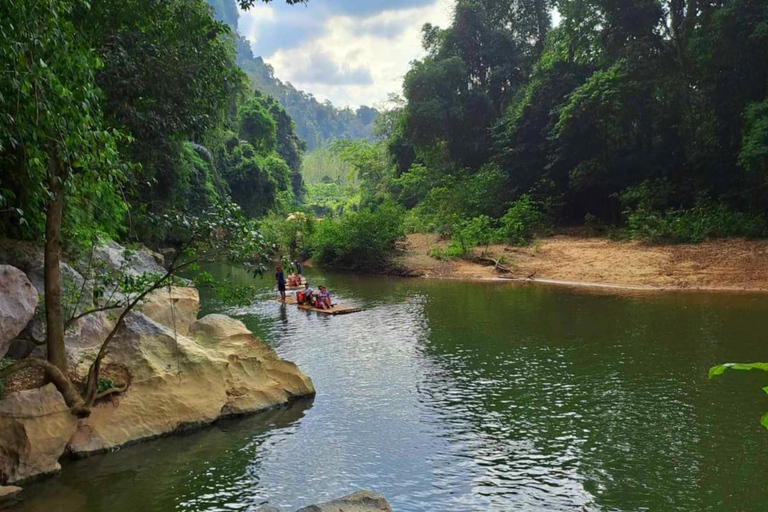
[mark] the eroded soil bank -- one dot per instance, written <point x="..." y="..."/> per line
<point x="727" y="265"/>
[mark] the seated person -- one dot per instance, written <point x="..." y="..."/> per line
<point x="324" y="298"/>
<point x="306" y="296"/>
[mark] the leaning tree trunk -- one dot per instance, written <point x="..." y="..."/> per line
<point x="57" y="355"/>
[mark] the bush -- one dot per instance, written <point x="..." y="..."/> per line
<point x="694" y="225"/>
<point x="468" y="234"/>
<point x="648" y="217"/>
<point x="359" y="240"/>
<point x="288" y="235"/>
<point x="521" y="222"/>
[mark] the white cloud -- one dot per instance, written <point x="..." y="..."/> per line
<point x="351" y="49"/>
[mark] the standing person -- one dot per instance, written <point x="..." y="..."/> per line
<point x="298" y="267"/>
<point x="280" y="277"/>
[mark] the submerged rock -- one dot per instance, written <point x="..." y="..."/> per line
<point x="360" y="501"/>
<point x="18" y="301"/>
<point x="8" y="493"/>
<point x="35" y="426"/>
<point x="178" y="382"/>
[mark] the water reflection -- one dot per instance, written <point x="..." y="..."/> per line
<point x="467" y="397"/>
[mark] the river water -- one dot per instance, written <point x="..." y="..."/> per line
<point x="468" y="397"/>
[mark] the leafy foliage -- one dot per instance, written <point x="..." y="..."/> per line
<point x="580" y="115"/>
<point x="359" y="240"/>
<point x="54" y="141"/>
<point x="720" y="369"/>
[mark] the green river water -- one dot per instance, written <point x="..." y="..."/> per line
<point x="468" y="397"/>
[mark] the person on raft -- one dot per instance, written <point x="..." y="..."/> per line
<point x="305" y="296"/>
<point x="294" y="281"/>
<point x="280" y="277"/>
<point x="324" y="299"/>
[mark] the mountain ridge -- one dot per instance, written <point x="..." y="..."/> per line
<point x="316" y="123"/>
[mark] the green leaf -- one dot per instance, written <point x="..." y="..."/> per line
<point x="720" y="369"/>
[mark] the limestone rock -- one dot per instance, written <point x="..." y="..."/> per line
<point x="133" y="262"/>
<point x="178" y="382"/>
<point x="18" y="301"/>
<point x="9" y="493"/>
<point x="360" y="501"/>
<point x="168" y="253"/>
<point x="35" y="426"/>
<point x="177" y="306"/>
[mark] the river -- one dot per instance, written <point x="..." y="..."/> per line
<point x="468" y="397"/>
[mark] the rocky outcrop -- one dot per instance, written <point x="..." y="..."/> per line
<point x="18" y="301"/>
<point x="134" y="262"/>
<point x="35" y="426"/>
<point x="220" y="369"/>
<point x="175" y="308"/>
<point x="360" y="501"/>
<point x="8" y="494"/>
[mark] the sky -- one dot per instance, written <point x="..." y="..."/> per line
<point x="352" y="52"/>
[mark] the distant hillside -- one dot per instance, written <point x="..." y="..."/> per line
<point x="316" y="123"/>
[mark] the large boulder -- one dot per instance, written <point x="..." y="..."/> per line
<point x="176" y="308"/>
<point x="130" y="261"/>
<point x="360" y="501"/>
<point x="220" y="369"/>
<point x="35" y="426"/>
<point x="18" y="301"/>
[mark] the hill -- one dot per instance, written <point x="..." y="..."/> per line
<point x="317" y="123"/>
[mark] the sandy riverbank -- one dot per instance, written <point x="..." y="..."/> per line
<point x="735" y="265"/>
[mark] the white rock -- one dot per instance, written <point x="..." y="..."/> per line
<point x="133" y="262"/>
<point x="35" y="426"/>
<point x="18" y="301"/>
<point x="175" y="308"/>
<point x="220" y="370"/>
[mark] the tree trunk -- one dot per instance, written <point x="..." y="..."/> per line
<point x="57" y="355"/>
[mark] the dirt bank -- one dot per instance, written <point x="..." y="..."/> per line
<point x="713" y="265"/>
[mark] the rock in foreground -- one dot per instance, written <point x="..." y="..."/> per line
<point x="18" y="301"/>
<point x="35" y="426"/>
<point x="360" y="501"/>
<point x="178" y="382"/>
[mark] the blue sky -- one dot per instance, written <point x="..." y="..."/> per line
<point x="352" y="52"/>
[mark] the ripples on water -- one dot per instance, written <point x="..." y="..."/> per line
<point x="473" y="397"/>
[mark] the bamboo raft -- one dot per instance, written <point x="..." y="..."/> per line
<point x="335" y="309"/>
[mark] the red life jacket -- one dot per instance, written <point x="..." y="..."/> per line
<point x="300" y="296"/>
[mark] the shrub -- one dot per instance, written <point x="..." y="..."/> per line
<point x="362" y="239"/>
<point x="468" y="234"/>
<point x="692" y="225"/>
<point x="521" y="222"/>
<point x="288" y="235"/>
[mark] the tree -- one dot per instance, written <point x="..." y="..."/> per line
<point x="221" y="232"/>
<point x="168" y="77"/>
<point x="55" y="138"/>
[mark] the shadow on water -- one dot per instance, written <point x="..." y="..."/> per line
<point x="191" y="471"/>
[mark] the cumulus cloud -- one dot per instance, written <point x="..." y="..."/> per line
<point x="351" y="52"/>
<point x="319" y="68"/>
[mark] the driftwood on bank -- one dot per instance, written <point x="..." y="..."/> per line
<point x="496" y="264"/>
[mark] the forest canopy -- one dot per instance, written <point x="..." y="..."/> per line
<point x="645" y="113"/>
